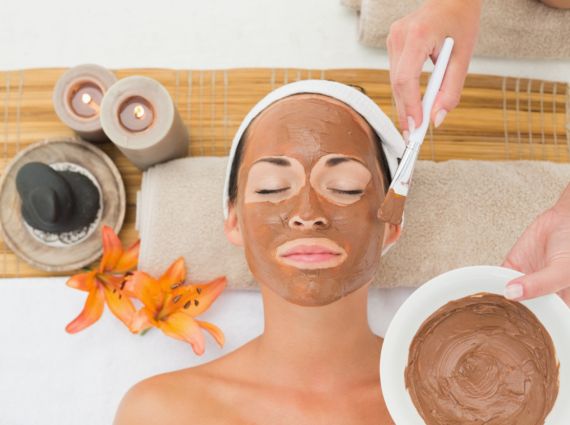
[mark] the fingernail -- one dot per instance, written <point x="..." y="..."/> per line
<point x="514" y="291"/>
<point x="439" y="117"/>
<point x="406" y="136"/>
<point x="411" y="124"/>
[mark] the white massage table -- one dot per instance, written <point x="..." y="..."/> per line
<point x="48" y="376"/>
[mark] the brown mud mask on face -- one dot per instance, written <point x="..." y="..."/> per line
<point x="483" y="360"/>
<point x="392" y="209"/>
<point x="303" y="129"/>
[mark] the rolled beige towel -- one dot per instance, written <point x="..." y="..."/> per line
<point x="458" y="213"/>
<point x="509" y="28"/>
<point x="352" y="4"/>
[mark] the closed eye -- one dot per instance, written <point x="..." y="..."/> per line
<point x="348" y="192"/>
<point x="267" y="191"/>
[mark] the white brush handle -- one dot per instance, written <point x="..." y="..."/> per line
<point x="403" y="176"/>
<point x="434" y="83"/>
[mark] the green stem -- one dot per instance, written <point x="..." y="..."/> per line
<point x="144" y="331"/>
<point x="86" y="269"/>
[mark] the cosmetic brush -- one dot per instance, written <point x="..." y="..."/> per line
<point x="392" y="209"/>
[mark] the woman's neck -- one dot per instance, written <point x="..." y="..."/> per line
<point x="312" y="347"/>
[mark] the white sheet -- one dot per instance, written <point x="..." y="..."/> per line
<point x="50" y="377"/>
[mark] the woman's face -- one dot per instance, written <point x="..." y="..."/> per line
<point x="309" y="189"/>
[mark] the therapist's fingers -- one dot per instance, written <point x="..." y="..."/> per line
<point x="421" y="34"/>
<point x="562" y="206"/>
<point x="553" y="278"/>
<point x="393" y="56"/>
<point x="450" y="92"/>
<point x="565" y="295"/>
<point x="401" y="113"/>
<point x="405" y="80"/>
<point x="395" y="44"/>
<point x="543" y="253"/>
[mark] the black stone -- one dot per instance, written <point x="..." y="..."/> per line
<point x="56" y="201"/>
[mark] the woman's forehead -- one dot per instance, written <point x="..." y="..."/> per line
<point x="314" y="103"/>
<point x="307" y="123"/>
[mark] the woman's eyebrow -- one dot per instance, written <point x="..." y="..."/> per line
<point x="277" y="161"/>
<point x="338" y="160"/>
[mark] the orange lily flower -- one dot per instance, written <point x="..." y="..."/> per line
<point x="171" y="306"/>
<point x="103" y="283"/>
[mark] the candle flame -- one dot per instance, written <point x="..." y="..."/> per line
<point x="139" y="111"/>
<point x="86" y="98"/>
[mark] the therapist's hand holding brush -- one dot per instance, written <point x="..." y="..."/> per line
<point x="543" y="250"/>
<point x="420" y="35"/>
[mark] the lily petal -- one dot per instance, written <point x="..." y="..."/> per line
<point x="141" y="320"/>
<point x="214" y="331"/>
<point x="82" y="281"/>
<point x="91" y="312"/>
<point x="111" y="281"/>
<point x="178" y="298"/>
<point x="129" y="258"/>
<point x="129" y="293"/>
<point x="128" y="286"/>
<point x="208" y="294"/>
<point x="184" y="328"/>
<point x="120" y="305"/>
<point x="174" y="275"/>
<point x="146" y="289"/>
<point x="112" y="249"/>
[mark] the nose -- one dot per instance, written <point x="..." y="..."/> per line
<point x="297" y="222"/>
<point x="307" y="215"/>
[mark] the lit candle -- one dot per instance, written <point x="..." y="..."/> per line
<point x="139" y="116"/>
<point x="77" y="98"/>
<point x="136" y="114"/>
<point x="85" y="100"/>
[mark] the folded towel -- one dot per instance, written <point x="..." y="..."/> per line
<point x="458" y="213"/>
<point x="509" y="28"/>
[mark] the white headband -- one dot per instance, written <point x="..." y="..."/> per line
<point x="392" y="142"/>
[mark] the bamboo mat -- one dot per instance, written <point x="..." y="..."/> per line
<point x="498" y="118"/>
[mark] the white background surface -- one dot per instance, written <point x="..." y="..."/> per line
<point x="50" y="377"/>
<point x="206" y="34"/>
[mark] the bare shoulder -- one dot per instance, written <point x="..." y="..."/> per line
<point x="200" y="393"/>
<point x="166" y="398"/>
<point x="141" y="403"/>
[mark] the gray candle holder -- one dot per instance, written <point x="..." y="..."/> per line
<point x="164" y="139"/>
<point x="88" y="127"/>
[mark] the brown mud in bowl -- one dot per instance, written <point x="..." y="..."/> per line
<point x="483" y="359"/>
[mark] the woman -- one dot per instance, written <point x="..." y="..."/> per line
<point x="303" y="194"/>
<point x="303" y="188"/>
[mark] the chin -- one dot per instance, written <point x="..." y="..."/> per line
<point x="313" y="292"/>
<point x="311" y="301"/>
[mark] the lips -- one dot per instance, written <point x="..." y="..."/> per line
<point x="311" y="253"/>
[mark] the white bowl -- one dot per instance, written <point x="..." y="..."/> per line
<point x="550" y="310"/>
